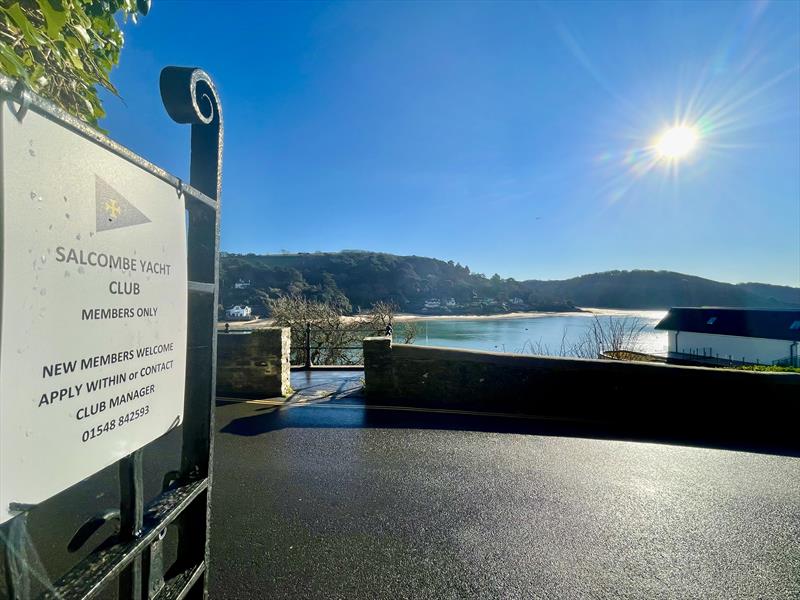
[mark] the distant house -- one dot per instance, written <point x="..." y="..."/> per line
<point x="750" y="336"/>
<point x="433" y="303"/>
<point x="516" y="300"/>
<point x="239" y="312"/>
<point x="242" y="284"/>
<point x="451" y="302"/>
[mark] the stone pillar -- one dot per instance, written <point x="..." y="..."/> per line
<point x="378" y="373"/>
<point x="254" y="364"/>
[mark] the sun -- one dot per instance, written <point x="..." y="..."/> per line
<point x="677" y="142"/>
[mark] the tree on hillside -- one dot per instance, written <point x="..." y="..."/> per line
<point x="331" y="294"/>
<point x="408" y="281"/>
<point x="64" y="49"/>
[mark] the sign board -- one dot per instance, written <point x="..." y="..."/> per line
<point x="94" y="303"/>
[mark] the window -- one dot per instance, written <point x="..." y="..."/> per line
<point x="795" y="326"/>
<point x="711" y="321"/>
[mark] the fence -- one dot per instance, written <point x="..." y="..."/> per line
<point x="705" y="357"/>
<point x="788" y="361"/>
<point x="321" y="346"/>
<point x="149" y="536"/>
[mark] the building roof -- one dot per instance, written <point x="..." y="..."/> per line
<point x="775" y="324"/>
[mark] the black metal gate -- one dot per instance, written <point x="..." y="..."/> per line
<point x="135" y="556"/>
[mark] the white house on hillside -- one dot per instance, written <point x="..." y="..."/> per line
<point x="433" y="303"/>
<point x="239" y="312"/>
<point x="754" y="336"/>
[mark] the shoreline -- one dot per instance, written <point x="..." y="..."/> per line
<point x="583" y="311"/>
<point x="404" y="317"/>
<point x="408" y="317"/>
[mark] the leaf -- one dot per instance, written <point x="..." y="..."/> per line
<point x="65" y="49"/>
<point x="12" y="64"/>
<point x="55" y="17"/>
<point x="72" y="54"/>
<point x="82" y="32"/>
<point x="38" y="77"/>
<point x="25" y="27"/>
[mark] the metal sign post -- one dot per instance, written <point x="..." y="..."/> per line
<point x="109" y="341"/>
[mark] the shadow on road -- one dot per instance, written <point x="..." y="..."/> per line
<point x="338" y="402"/>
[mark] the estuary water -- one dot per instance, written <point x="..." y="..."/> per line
<point x="539" y="334"/>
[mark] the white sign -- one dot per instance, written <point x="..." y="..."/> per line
<point x="94" y="296"/>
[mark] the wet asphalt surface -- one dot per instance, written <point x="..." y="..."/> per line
<point x="325" y="498"/>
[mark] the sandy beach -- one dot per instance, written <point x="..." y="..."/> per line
<point x="401" y="317"/>
<point x="404" y="317"/>
<point x="584" y="311"/>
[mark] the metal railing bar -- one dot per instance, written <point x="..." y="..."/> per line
<point x="201" y="287"/>
<point x="131" y="520"/>
<point x="196" y="194"/>
<point x="346" y="330"/>
<point x="97" y="570"/>
<point x="179" y="586"/>
<point x="318" y="348"/>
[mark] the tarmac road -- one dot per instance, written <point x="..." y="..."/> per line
<point x="329" y="499"/>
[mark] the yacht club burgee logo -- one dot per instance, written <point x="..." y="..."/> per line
<point x="112" y="210"/>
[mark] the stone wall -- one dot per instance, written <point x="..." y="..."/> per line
<point x="651" y="395"/>
<point x="254" y="364"/>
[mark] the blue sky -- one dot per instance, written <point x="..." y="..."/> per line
<point x="512" y="137"/>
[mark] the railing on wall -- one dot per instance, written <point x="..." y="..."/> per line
<point x="787" y="361"/>
<point x="706" y="357"/>
<point x="321" y="346"/>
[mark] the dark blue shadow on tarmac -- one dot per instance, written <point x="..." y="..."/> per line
<point x="348" y="410"/>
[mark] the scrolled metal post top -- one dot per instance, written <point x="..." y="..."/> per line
<point x="189" y="95"/>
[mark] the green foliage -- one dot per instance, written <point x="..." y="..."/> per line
<point x="769" y="368"/>
<point x="64" y="49"/>
<point x="359" y="279"/>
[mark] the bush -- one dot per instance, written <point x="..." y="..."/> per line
<point x="620" y="336"/>
<point x="64" y="49"/>
<point x="769" y="368"/>
<point x="336" y="339"/>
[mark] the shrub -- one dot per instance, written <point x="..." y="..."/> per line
<point x="769" y="368"/>
<point x="336" y="339"/>
<point x="64" y="49"/>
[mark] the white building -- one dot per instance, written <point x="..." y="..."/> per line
<point x="242" y="284"/>
<point x="239" y="312"/>
<point x="753" y="336"/>
<point x="433" y="303"/>
<point x="451" y="302"/>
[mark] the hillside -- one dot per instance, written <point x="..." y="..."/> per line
<point x="361" y="278"/>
